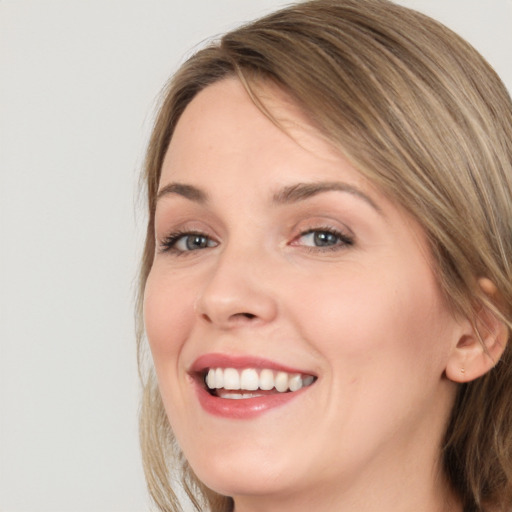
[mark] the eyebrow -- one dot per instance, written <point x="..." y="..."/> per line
<point x="181" y="189"/>
<point x="291" y="194"/>
<point x="302" y="191"/>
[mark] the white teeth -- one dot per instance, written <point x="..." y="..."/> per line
<point x="233" y="396"/>
<point x="219" y="378"/>
<point x="266" y="380"/>
<point x="295" y="382"/>
<point x="238" y="396"/>
<point x="281" y="382"/>
<point x="231" y="379"/>
<point x="210" y="379"/>
<point x="250" y="379"/>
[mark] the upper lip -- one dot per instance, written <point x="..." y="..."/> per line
<point x="218" y="360"/>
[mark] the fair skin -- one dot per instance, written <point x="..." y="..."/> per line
<point x="271" y="245"/>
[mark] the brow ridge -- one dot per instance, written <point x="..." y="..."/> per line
<point x="181" y="189"/>
<point x="302" y="191"/>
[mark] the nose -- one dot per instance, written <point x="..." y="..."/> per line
<point x="237" y="292"/>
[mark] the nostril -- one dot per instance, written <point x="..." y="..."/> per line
<point x="249" y="316"/>
<point x="240" y="316"/>
<point x="206" y="317"/>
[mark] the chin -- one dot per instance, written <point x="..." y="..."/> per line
<point x="243" y="473"/>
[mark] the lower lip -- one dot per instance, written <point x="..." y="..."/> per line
<point x="245" y="408"/>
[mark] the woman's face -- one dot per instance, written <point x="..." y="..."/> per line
<point x="278" y="264"/>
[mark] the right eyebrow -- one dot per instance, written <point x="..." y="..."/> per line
<point x="302" y="191"/>
<point x="181" y="189"/>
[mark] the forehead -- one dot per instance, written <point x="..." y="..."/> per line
<point x="226" y="142"/>
<point x="223" y="116"/>
<point x="225" y="138"/>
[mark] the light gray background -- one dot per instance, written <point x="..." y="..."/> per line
<point x="78" y="82"/>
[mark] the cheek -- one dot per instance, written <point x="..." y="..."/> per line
<point x="385" y="338"/>
<point x="167" y="324"/>
<point x="166" y="315"/>
<point x="361" y="317"/>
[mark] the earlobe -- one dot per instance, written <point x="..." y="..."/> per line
<point x="479" y="349"/>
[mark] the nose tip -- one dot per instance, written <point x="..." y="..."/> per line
<point x="228" y="301"/>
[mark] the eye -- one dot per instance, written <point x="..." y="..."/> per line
<point x="323" y="239"/>
<point x="181" y="242"/>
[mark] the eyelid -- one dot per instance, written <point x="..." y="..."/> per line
<point x="321" y="222"/>
<point x="167" y="244"/>
<point x="344" y="236"/>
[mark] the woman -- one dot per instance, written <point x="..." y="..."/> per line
<point x="326" y="281"/>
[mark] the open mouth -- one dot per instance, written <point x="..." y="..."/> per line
<point x="232" y="383"/>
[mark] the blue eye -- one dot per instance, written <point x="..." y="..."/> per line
<point x="180" y="242"/>
<point x="324" y="238"/>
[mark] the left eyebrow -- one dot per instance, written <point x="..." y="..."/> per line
<point x="184" y="190"/>
<point x="302" y="191"/>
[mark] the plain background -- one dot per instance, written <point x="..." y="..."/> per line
<point x="78" y="84"/>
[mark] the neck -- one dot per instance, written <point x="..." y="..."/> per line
<point x="368" y="502"/>
<point x="422" y="489"/>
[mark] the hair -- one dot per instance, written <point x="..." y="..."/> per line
<point x="423" y="116"/>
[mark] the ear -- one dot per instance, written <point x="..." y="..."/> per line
<point x="482" y="343"/>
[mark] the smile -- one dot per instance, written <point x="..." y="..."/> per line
<point x="244" y="387"/>
<point x="232" y="383"/>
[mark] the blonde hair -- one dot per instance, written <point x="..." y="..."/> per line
<point x="420" y="113"/>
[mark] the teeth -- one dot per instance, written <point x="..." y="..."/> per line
<point x="219" y="378"/>
<point x="237" y="396"/>
<point x="210" y="379"/>
<point x="281" y="382"/>
<point x="231" y="379"/>
<point x="307" y="381"/>
<point x="266" y="380"/>
<point x="251" y="379"/>
<point x="295" y="383"/>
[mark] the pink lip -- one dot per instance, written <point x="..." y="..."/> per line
<point x="239" y="409"/>
<point x="206" y="361"/>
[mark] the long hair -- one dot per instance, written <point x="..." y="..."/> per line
<point x="422" y="115"/>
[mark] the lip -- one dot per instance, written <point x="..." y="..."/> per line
<point x="246" y="408"/>
<point x="214" y="360"/>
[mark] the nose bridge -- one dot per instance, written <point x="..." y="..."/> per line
<point x="237" y="289"/>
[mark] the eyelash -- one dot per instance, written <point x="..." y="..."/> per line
<point x="170" y="242"/>
<point x="343" y="240"/>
